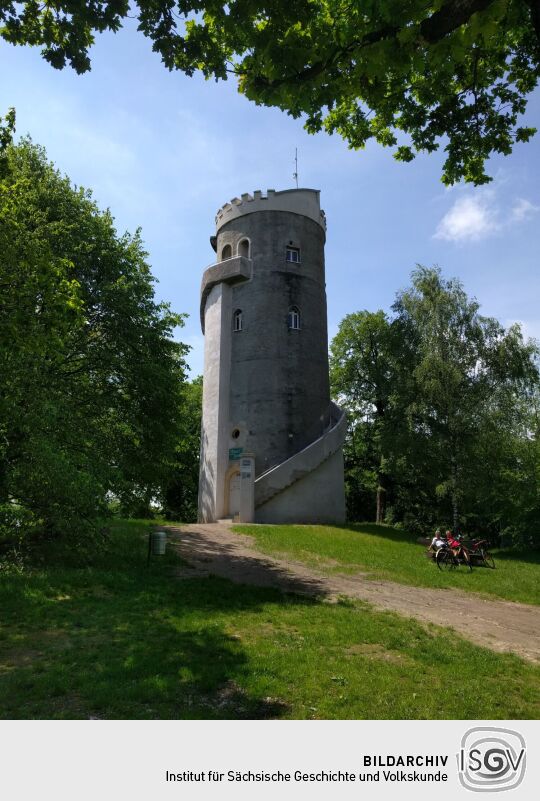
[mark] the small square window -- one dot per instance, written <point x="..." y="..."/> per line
<point x="293" y="255"/>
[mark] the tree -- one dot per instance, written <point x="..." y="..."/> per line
<point x="91" y="378"/>
<point x="507" y="490"/>
<point x="468" y="370"/>
<point x="7" y="130"/>
<point x="364" y="373"/>
<point x="452" y="72"/>
<point x="180" y="492"/>
<point x="443" y="413"/>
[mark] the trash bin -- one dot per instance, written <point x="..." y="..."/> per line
<point x="158" y="541"/>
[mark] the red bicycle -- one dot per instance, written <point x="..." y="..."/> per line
<point x="479" y="552"/>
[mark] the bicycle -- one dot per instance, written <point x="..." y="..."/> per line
<point x="447" y="559"/>
<point x="479" y="551"/>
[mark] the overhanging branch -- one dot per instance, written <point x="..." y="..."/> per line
<point x="443" y="22"/>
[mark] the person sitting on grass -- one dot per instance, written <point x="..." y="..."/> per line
<point x="453" y="543"/>
<point x="437" y="542"/>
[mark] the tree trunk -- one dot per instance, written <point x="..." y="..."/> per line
<point x="381" y="504"/>
<point x="454" y="492"/>
<point x="381" y="493"/>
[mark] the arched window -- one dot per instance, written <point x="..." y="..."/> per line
<point x="293" y="318"/>
<point x="243" y="248"/>
<point x="226" y="252"/>
<point x="237" y="320"/>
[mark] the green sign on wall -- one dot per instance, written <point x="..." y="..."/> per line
<point x="235" y="453"/>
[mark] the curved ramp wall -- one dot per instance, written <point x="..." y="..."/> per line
<point x="308" y="487"/>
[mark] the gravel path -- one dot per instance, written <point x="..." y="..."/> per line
<point x="213" y="549"/>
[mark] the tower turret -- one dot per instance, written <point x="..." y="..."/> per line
<point x="266" y="398"/>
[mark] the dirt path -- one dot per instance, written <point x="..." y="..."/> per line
<point x="499" y="625"/>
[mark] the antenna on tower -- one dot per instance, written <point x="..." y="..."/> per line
<point x="295" y="173"/>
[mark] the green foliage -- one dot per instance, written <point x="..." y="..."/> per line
<point x="180" y="492"/>
<point x="364" y="364"/>
<point x="7" y="129"/>
<point x="508" y="487"/>
<point x="442" y="410"/>
<point x="91" y="382"/>
<point x="416" y="74"/>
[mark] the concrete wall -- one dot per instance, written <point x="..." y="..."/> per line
<point x="280" y="396"/>
<point x="231" y="271"/>
<point x="303" y="462"/>
<point x="319" y="497"/>
<point x="215" y="405"/>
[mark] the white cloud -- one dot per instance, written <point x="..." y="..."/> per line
<point x="523" y="210"/>
<point x="470" y="218"/>
<point x="474" y="217"/>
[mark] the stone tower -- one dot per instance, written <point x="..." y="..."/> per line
<point x="271" y="447"/>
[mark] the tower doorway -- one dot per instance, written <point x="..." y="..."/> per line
<point x="234" y="494"/>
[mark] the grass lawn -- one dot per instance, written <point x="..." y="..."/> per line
<point x="387" y="553"/>
<point x="115" y="640"/>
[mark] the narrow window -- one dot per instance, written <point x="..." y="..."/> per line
<point x="293" y="318"/>
<point x="293" y="255"/>
<point x="237" y="320"/>
<point x="243" y="248"/>
<point x="226" y="252"/>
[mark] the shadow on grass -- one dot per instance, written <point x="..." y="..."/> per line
<point x="227" y="561"/>
<point x="399" y="535"/>
<point x="128" y="643"/>
<point x="507" y="555"/>
<point x="388" y="532"/>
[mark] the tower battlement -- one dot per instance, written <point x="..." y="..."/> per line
<point x="305" y="202"/>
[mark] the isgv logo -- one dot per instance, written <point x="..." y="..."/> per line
<point x="491" y="759"/>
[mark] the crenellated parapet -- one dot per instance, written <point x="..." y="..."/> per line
<point x="305" y="202"/>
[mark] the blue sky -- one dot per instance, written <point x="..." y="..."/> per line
<point x="164" y="152"/>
